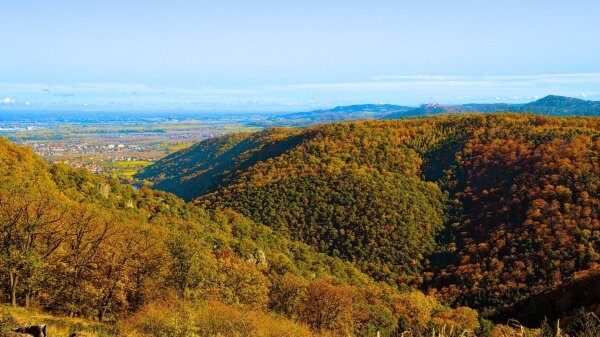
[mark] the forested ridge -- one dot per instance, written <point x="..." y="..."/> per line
<point x="482" y="210"/>
<point x="145" y="263"/>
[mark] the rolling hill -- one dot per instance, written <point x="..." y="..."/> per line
<point x="483" y="209"/>
<point x="340" y="113"/>
<point x="551" y="105"/>
<point x="103" y="259"/>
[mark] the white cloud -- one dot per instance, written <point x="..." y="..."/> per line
<point x="400" y="89"/>
<point x="418" y="78"/>
<point x="64" y="90"/>
<point x="447" y="81"/>
<point x="456" y="88"/>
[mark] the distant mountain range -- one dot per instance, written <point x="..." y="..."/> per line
<point x="340" y="113"/>
<point x="549" y="105"/>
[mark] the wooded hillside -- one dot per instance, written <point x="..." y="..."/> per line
<point x="78" y="245"/>
<point x="484" y="210"/>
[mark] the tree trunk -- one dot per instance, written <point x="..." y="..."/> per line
<point x="105" y="303"/>
<point x="13" y="288"/>
<point x="72" y="303"/>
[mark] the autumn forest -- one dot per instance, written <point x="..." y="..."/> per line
<point x="454" y="225"/>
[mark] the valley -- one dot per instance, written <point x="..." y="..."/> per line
<point x="461" y="220"/>
<point x="114" y="143"/>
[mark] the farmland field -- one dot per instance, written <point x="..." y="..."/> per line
<point x="115" y="144"/>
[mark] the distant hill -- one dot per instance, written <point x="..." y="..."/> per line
<point x="435" y="109"/>
<point x="549" y="105"/>
<point x="563" y="106"/>
<point x="340" y="113"/>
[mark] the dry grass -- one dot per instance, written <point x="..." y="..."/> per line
<point x="11" y="318"/>
<point x="584" y="325"/>
<point x="179" y="319"/>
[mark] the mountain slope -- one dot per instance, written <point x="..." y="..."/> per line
<point x="563" y="302"/>
<point x="486" y="209"/>
<point x="207" y="165"/>
<point x="78" y="245"/>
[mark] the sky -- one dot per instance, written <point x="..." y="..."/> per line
<point x="293" y="55"/>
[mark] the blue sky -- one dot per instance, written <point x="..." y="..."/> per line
<point x="293" y="55"/>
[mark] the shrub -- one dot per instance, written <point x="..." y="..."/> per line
<point x="176" y="318"/>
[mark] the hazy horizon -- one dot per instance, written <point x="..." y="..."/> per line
<point x="273" y="56"/>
